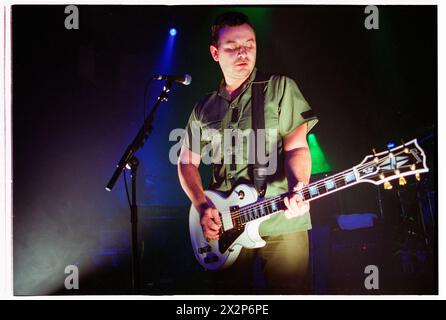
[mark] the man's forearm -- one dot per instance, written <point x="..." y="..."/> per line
<point x="190" y="181"/>
<point x="298" y="166"/>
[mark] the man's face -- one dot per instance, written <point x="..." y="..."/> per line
<point x="235" y="51"/>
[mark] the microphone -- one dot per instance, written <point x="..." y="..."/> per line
<point x="183" y="79"/>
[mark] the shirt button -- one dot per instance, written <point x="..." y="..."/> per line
<point x="229" y="175"/>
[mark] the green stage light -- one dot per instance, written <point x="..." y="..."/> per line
<point x="319" y="160"/>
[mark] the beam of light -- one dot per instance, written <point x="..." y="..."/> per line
<point x="157" y="182"/>
<point x="165" y="64"/>
<point x="319" y="160"/>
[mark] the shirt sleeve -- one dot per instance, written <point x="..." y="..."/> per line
<point x="192" y="137"/>
<point x="294" y="110"/>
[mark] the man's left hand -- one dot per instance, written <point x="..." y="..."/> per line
<point x="296" y="207"/>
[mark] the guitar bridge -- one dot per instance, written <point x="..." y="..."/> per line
<point x="210" y="259"/>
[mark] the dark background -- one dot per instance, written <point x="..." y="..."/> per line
<point x="78" y="102"/>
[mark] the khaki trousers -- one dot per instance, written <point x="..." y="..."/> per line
<point x="280" y="267"/>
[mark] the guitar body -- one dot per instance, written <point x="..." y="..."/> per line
<point x="222" y="253"/>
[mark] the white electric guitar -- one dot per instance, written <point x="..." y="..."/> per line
<point x="242" y="212"/>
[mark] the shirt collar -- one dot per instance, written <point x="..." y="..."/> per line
<point x="222" y="87"/>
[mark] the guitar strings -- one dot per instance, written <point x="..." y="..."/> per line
<point x="275" y="200"/>
<point x="278" y="199"/>
<point x="305" y="191"/>
<point x="337" y="177"/>
<point x="248" y="210"/>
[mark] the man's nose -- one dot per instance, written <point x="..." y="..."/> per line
<point x="242" y="51"/>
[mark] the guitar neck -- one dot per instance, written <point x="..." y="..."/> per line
<point x="310" y="192"/>
<point x="404" y="160"/>
<point x="327" y="185"/>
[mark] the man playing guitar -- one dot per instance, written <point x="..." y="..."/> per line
<point x="284" y="259"/>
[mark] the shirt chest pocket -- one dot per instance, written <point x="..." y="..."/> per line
<point x="209" y="130"/>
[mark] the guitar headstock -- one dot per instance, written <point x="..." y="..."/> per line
<point x="405" y="160"/>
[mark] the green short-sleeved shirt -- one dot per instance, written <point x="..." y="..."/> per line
<point x="219" y="129"/>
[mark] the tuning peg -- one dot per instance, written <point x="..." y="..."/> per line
<point x="376" y="160"/>
<point x="402" y="181"/>
<point x="387" y="185"/>
<point x="417" y="176"/>
<point x="406" y="149"/>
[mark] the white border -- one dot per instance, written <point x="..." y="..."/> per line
<point x="5" y="156"/>
<point x="441" y="139"/>
<point x="225" y="2"/>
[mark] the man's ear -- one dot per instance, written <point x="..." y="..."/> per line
<point x="214" y="52"/>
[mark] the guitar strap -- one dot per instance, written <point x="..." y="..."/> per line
<point x="258" y="170"/>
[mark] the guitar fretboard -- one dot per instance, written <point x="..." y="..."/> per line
<point x="308" y="193"/>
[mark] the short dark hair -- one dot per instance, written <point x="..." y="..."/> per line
<point x="231" y="19"/>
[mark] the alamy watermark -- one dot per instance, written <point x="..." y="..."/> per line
<point x="372" y="20"/>
<point x="72" y="20"/>
<point x="372" y="280"/>
<point x="234" y="146"/>
<point x="72" y="280"/>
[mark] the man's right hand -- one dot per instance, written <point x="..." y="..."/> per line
<point x="210" y="222"/>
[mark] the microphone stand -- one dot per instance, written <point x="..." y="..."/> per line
<point x="129" y="161"/>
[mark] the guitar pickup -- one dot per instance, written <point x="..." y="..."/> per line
<point x="204" y="249"/>
<point x="226" y="219"/>
<point x="235" y="222"/>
